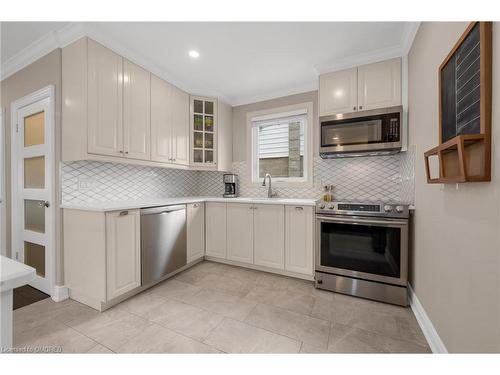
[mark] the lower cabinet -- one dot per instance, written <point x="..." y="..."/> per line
<point x="195" y="231"/>
<point x="299" y="239"/>
<point x="269" y="236"/>
<point x="240" y="223"/>
<point x="102" y="255"/>
<point x="215" y="229"/>
<point x="123" y="252"/>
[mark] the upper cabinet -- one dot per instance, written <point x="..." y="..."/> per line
<point x="363" y="88"/>
<point x="379" y="85"/>
<point x="105" y="101"/>
<point x="115" y="111"/>
<point x="169" y="123"/>
<point x="338" y="92"/>
<point x="136" y="111"/>
<point x="203" y="132"/>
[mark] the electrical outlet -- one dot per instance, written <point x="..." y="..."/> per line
<point x="85" y="183"/>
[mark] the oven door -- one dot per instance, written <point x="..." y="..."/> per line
<point x="373" y="249"/>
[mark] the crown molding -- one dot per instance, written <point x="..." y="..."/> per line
<point x="298" y="89"/>
<point x="40" y="48"/>
<point x="411" y="29"/>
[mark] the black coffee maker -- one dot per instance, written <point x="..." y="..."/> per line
<point x="230" y="185"/>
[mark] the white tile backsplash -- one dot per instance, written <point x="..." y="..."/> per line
<point x="363" y="179"/>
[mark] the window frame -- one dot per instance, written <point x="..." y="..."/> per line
<point x="253" y="145"/>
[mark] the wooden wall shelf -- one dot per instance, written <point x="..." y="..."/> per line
<point x="464" y="152"/>
<point x="464" y="158"/>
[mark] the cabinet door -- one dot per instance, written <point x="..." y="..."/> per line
<point x="224" y="142"/>
<point x="299" y="240"/>
<point x="338" y="92"/>
<point x="136" y="111"/>
<point x="269" y="235"/>
<point x="203" y="113"/>
<point x="180" y="126"/>
<point x="105" y="106"/>
<point x="123" y="252"/>
<point x="379" y="84"/>
<point x="215" y="229"/>
<point x="195" y="231"/>
<point x="240" y="232"/>
<point x="161" y="124"/>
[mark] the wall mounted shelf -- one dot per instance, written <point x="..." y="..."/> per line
<point x="464" y="152"/>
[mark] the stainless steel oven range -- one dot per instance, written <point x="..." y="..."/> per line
<point x="362" y="250"/>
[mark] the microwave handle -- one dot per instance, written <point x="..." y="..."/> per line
<point x="361" y="221"/>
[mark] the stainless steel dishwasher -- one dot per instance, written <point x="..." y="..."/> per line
<point x="163" y="241"/>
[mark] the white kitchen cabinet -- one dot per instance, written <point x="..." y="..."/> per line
<point x="123" y="252"/>
<point x="169" y="123"/>
<point x="224" y="137"/>
<point x="215" y="229"/>
<point x="299" y="239"/>
<point x="195" y="231"/>
<point x="136" y="112"/>
<point x="338" y="92"/>
<point x="240" y="218"/>
<point x="203" y="113"/>
<point x="105" y="101"/>
<point x="180" y="126"/>
<point x="363" y="88"/>
<point x="269" y="235"/>
<point x="379" y="85"/>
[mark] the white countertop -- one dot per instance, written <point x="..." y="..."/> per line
<point x="142" y="203"/>
<point x="14" y="274"/>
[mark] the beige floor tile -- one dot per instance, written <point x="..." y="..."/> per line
<point x="111" y="328"/>
<point x="243" y="274"/>
<point x="272" y="281"/>
<point x="358" y="341"/>
<point x="288" y="323"/>
<point x="142" y="303"/>
<point x="100" y="349"/>
<point x="298" y="302"/>
<point x="174" y="289"/>
<point x="158" y="339"/>
<point x="309" y="349"/>
<point x="392" y="345"/>
<point x="186" y="319"/>
<point x="195" y="276"/>
<point x="232" y="336"/>
<point x="227" y="304"/>
<point x="228" y="284"/>
<point x="55" y="337"/>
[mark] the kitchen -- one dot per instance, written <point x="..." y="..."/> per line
<point x="163" y="210"/>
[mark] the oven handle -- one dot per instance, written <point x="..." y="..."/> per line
<point x="361" y="221"/>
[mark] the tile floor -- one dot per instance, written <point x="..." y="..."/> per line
<point x="213" y="308"/>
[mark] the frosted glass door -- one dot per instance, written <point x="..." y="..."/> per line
<point x="32" y="236"/>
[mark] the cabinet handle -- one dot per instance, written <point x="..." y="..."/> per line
<point x="124" y="213"/>
<point x="121" y="152"/>
<point x="299" y="208"/>
<point x="196" y="205"/>
<point x="126" y="152"/>
<point x="353" y="108"/>
<point x="360" y="107"/>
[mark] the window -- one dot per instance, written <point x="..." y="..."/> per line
<point x="280" y="145"/>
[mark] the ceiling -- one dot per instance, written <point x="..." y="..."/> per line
<point x="240" y="62"/>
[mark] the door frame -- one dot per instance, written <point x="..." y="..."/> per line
<point x="47" y="92"/>
<point x="3" y="217"/>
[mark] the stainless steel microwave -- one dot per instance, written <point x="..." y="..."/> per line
<point x="374" y="132"/>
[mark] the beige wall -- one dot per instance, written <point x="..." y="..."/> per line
<point x="456" y="257"/>
<point x="240" y="119"/>
<point x="43" y="72"/>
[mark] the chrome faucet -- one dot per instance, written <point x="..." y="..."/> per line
<point x="270" y="193"/>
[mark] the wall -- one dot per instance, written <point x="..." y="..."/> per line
<point x="363" y="179"/>
<point x="455" y="262"/>
<point x="43" y="72"/>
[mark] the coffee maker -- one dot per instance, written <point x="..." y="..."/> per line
<point x="230" y="185"/>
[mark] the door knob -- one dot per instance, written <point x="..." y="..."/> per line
<point x="44" y="204"/>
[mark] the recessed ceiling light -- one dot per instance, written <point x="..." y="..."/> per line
<point x="194" y="54"/>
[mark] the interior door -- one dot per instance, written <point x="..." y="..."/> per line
<point x="33" y="191"/>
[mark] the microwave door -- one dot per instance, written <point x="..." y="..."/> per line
<point x="347" y="134"/>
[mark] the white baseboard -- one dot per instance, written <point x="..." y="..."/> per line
<point x="60" y="293"/>
<point x="430" y="333"/>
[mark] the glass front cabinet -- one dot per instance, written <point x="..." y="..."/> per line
<point x="203" y="132"/>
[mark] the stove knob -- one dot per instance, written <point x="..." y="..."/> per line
<point x="399" y="209"/>
<point x="387" y="208"/>
<point x="331" y="206"/>
<point x="321" y="206"/>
